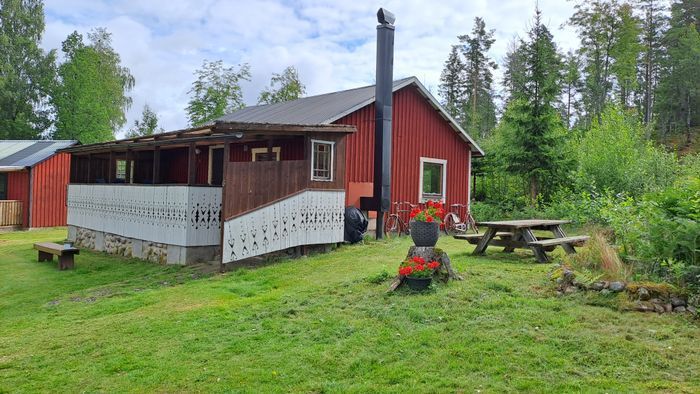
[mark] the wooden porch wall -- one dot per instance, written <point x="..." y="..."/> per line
<point x="250" y="185"/>
<point x="10" y="213"/>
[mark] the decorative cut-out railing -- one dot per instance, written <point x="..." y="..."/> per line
<point x="306" y="218"/>
<point x="175" y="215"/>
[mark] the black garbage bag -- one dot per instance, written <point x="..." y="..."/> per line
<point x="355" y="225"/>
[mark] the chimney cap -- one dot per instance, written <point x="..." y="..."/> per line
<point x="385" y="17"/>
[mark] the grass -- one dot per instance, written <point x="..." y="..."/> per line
<point x="323" y="324"/>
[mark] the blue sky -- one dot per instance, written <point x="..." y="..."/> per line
<point x="332" y="43"/>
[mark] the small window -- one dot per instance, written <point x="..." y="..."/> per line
<point x="120" y="175"/>
<point x="3" y="186"/>
<point x="433" y="179"/>
<point x="321" y="160"/>
<point x="261" y="154"/>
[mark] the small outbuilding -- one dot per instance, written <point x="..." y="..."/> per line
<point x="33" y="183"/>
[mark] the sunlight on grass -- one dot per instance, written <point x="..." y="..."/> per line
<point x="322" y="323"/>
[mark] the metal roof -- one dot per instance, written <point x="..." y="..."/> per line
<point x="328" y="108"/>
<point x="17" y="155"/>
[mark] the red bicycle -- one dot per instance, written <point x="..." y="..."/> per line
<point x="396" y="222"/>
<point x="459" y="220"/>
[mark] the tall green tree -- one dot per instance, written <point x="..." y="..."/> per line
<point x="514" y="69"/>
<point x="531" y="132"/>
<point x="26" y="71"/>
<point x="147" y="125"/>
<point x="678" y="95"/>
<point x="91" y="96"/>
<point x="625" y="52"/>
<point x="286" y="86"/>
<point x="597" y="23"/>
<point x="654" y="21"/>
<point x="216" y="91"/>
<point x="452" y="84"/>
<point x="480" y="113"/>
<point x="571" y="88"/>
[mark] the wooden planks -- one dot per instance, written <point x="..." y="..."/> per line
<point x="561" y="241"/>
<point x="10" y="213"/>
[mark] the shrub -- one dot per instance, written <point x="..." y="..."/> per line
<point x="599" y="256"/>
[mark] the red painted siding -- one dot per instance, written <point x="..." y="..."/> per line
<point x="49" y="188"/>
<point x="418" y="131"/>
<point x="18" y="189"/>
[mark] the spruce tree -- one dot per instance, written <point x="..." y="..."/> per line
<point x="451" y="86"/>
<point x="625" y="52"/>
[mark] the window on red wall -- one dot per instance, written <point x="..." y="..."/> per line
<point x="433" y="179"/>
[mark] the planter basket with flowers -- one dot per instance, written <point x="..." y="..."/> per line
<point x="418" y="274"/>
<point x="426" y="223"/>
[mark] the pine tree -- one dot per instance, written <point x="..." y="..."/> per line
<point x="531" y="141"/>
<point x="480" y="114"/>
<point x="654" y="23"/>
<point x="678" y="95"/>
<point x="283" y="87"/>
<point x="91" y="96"/>
<point x="625" y="51"/>
<point x="26" y="71"/>
<point x="452" y="84"/>
<point x="571" y="88"/>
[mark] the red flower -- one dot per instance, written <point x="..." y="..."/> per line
<point x="438" y="205"/>
<point x="429" y="219"/>
<point x="412" y="215"/>
<point x="418" y="260"/>
<point x="405" y="271"/>
<point x="430" y="203"/>
<point x="433" y="264"/>
<point x="420" y="267"/>
<point x="442" y="226"/>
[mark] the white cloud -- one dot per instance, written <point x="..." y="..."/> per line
<point x="332" y="43"/>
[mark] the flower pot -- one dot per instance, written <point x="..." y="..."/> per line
<point x="425" y="233"/>
<point x="418" y="284"/>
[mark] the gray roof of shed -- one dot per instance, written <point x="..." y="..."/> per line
<point x="328" y="108"/>
<point x="16" y="155"/>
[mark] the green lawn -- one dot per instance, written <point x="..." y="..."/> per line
<point x="319" y="324"/>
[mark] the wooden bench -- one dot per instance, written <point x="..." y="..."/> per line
<point x="65" y="255"/>
<point x="477" y="237"/>
<point x="577" y="240"/>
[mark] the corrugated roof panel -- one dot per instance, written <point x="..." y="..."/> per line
<point x="29" y="153"/>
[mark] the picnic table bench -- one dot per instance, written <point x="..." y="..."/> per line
<point x="518" y="234"/>
<point x="65" y="255"/>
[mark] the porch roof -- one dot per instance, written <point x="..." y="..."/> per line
<point x="219" y="131"/>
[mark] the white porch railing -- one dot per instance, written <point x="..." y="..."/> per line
<point x="175" y="215"/>
<point x="308" y="218"/>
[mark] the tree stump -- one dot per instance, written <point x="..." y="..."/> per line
<point x="444" y="273"/>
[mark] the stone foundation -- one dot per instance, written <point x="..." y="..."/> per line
<point x="146" y="250"/>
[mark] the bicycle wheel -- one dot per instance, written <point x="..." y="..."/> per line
<point x="451" y="221"/>
<point x="391" y="226"/>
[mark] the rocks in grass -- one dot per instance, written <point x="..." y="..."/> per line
<point x="691" y="309"/>
<point x="677" y="301"/>
<point x="616" y="286"/>
<point x="598" y="286"/>
<point x="643" y="306"/>
<point x="679" y="309"/>
<point x="643" y="294"/>
<point x="668" y="307"/>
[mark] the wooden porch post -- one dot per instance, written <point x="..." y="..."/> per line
<point x="127" y="176"/>
<point x="110" y="168"/>
<point x="191" y="164"/>
<point x="156" y="165"/>
<point x="89" y="168"/>
<point x="224" y="171"/>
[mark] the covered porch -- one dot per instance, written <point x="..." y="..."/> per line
<point x="173" y="197"/>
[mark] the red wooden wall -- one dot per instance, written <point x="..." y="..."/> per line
<point x="18" y="189"/>
<point x="418" y="130"/>
<point x="49" y="191"/>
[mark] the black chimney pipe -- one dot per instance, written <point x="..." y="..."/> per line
<point x="381" y="200"/>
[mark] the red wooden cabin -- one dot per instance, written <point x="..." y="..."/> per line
<point x="33" y="181"/>
<point x="431" y="152"/>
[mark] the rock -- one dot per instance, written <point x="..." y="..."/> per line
<point x="616" y="286"/>
<point x="569" y="290"/>
<point x="658" y="308"/>
<point x="643" y="306"/>
<point x="677" y="301"/>
<point x="605" y="292"/>
<point x="643" y="294"/>
<point x="679" y="309"/>
<point x="597" y="286"/>
<point x="692" y="310"/>
<point x="668" y="307"/>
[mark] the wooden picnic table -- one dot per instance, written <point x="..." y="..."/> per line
<point x="518" y="234"/>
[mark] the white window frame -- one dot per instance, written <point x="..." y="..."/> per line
<point x="332" y="144"/>
<point x="275" y="149"/>
<point x="210" y="170"/>
<point x="444" y="177"/>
